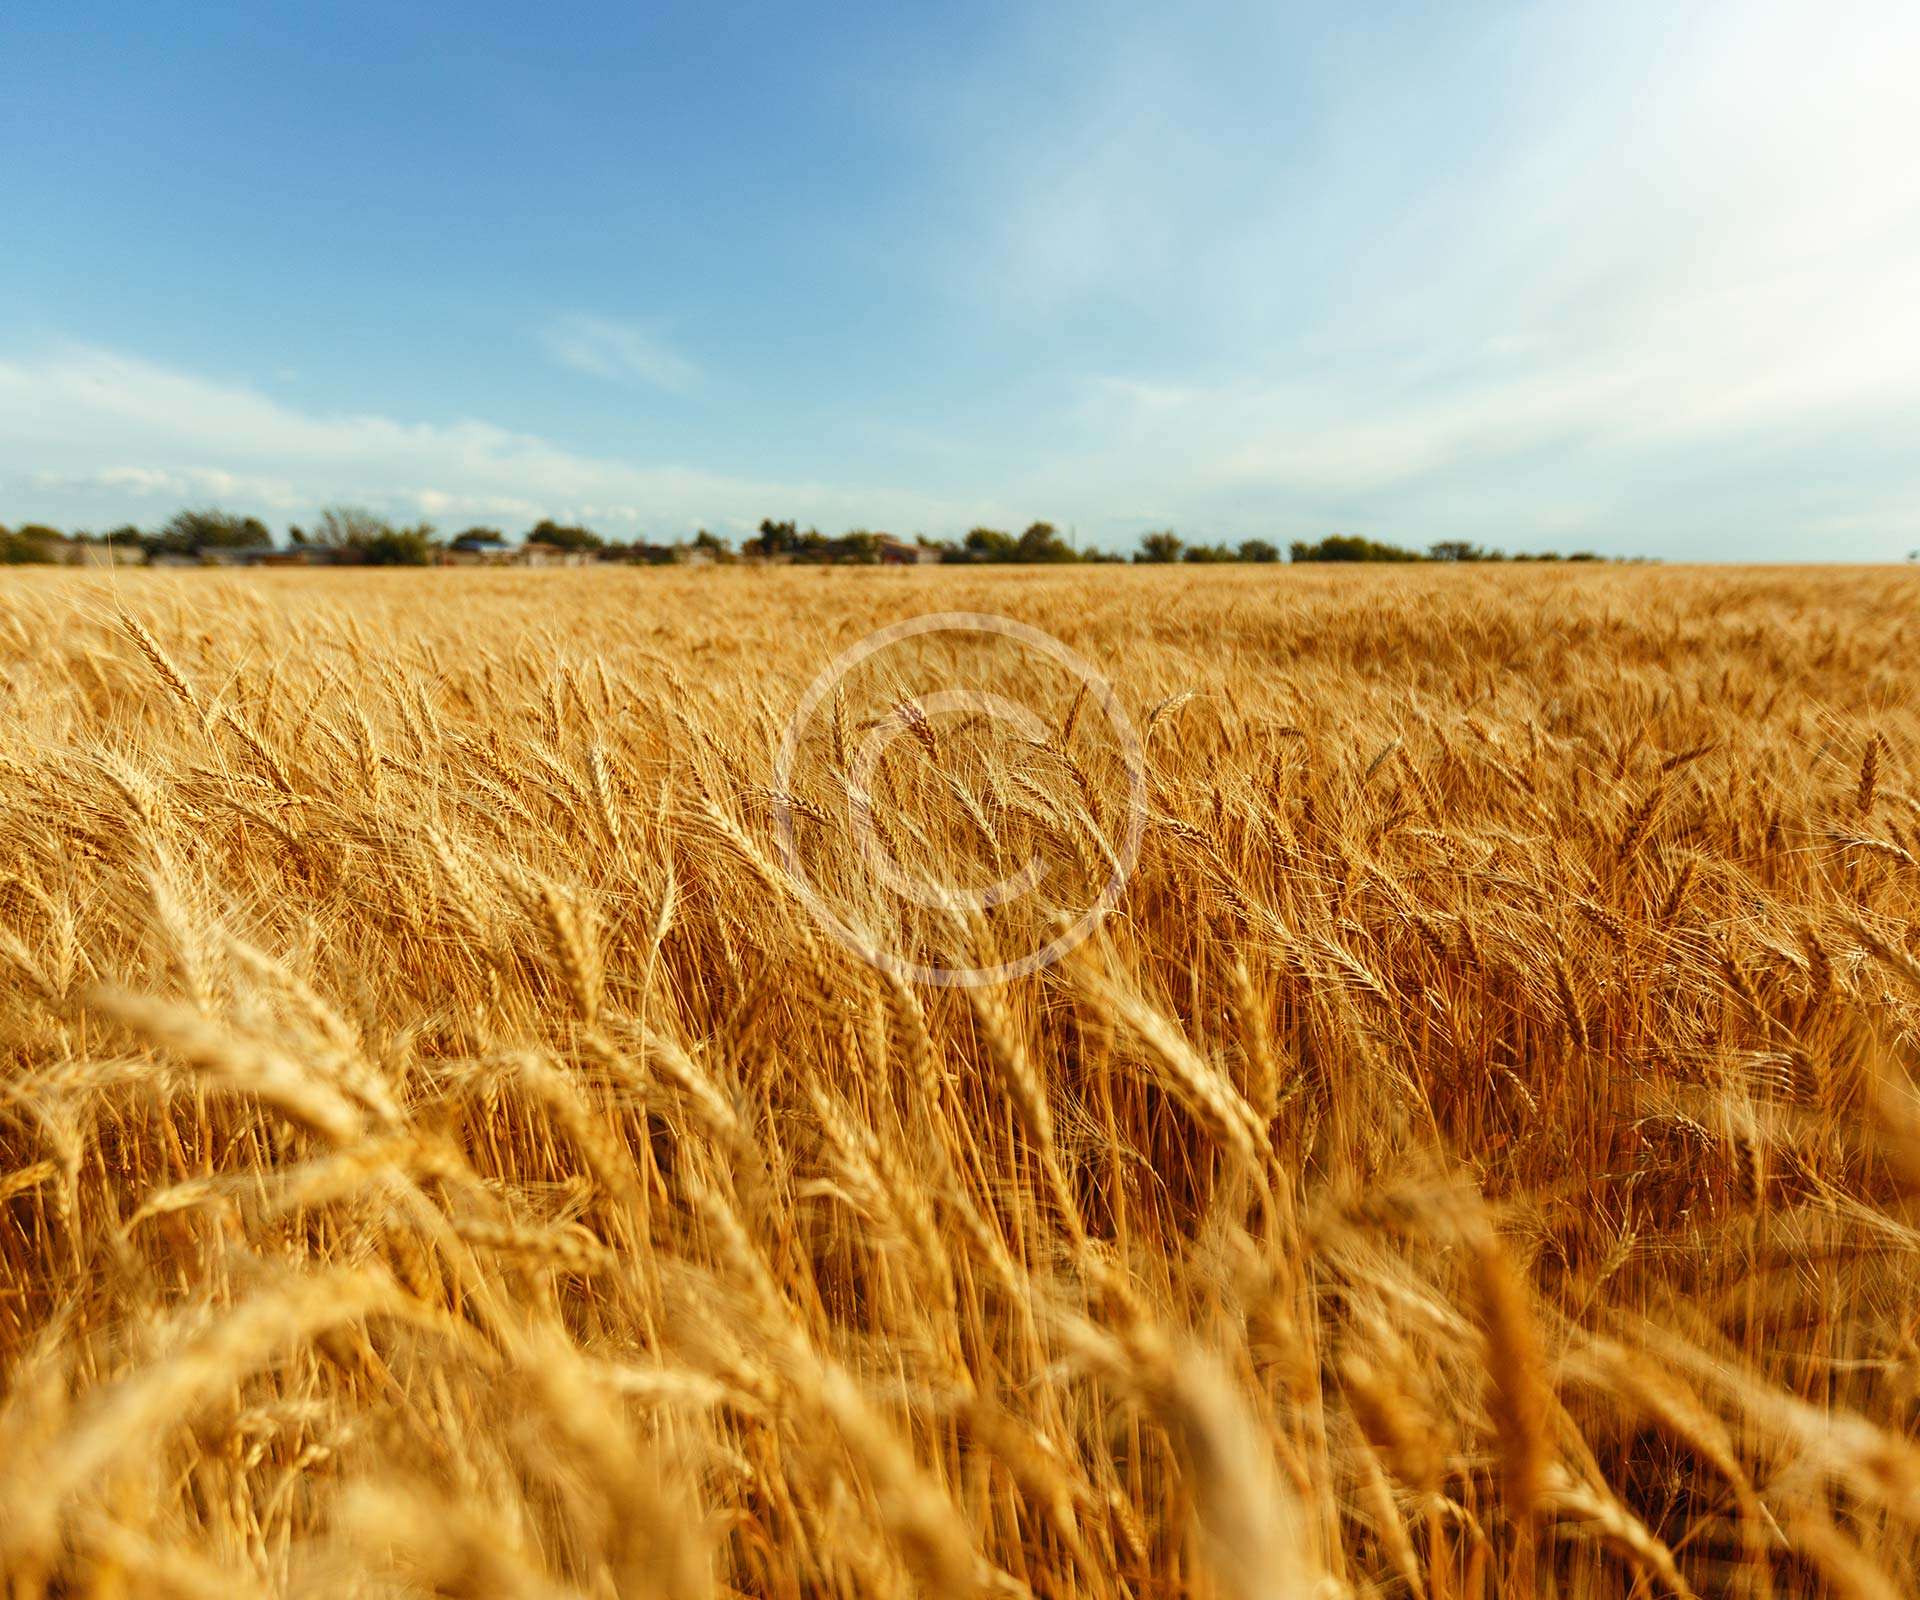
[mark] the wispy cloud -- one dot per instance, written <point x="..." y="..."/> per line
<point x="93" y="435"/>
<point x="174" y="484"/>
<point x="620" y="352"/>
<point x="1640" y="277"/>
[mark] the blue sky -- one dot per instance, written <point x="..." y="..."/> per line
<point x="1638" y="278"/>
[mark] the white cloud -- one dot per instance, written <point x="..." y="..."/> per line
<point x="185" y="483"/>
<point x="92" y="436"/>
<point x="620" y="352"/>
<point x="1665" y="272"/>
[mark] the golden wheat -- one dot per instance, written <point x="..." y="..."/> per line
<point x="444" y="1151"/>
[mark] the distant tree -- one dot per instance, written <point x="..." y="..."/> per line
<point x="1349" y="547"/>
<point x="348" y="528"/>
<point x="1041" y="543"/>
<point x="479" y="535"/>
<point x="712" y="542"/>
<point x="1160" y="547"/>
<point x="412" y="546"/>
<point x="1258" y="550"/>
<point x="634" y="552"/>
<point x="190" y="532"/>
<point x="1210" y="553"/>
<point x="857" y="547"/>
<point x="989" y="544"/>
<point x="378" y="541"/>
<point x="563" y="536"/>
<point x="25" y="546"/>
<point x="773" y="539"/>
<point x="1458" y="550"/>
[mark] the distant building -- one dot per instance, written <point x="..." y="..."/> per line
<point x="96" y="553"/>
<point x="899" y="553"/>
<point x="537" y="553"/>
<point x="472" y="550"/>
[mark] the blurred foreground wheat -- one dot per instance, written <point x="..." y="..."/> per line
<point x="440" y="1155"/>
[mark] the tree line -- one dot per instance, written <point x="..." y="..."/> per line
<point x="1347" y="547"/>
<point x="1040" y="545"/>
<point x="377" y="541"/>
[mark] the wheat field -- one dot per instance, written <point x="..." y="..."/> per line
<point x="444" y="1152"/>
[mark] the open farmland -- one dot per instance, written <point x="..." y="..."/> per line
<point x="444" y="1151"/>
